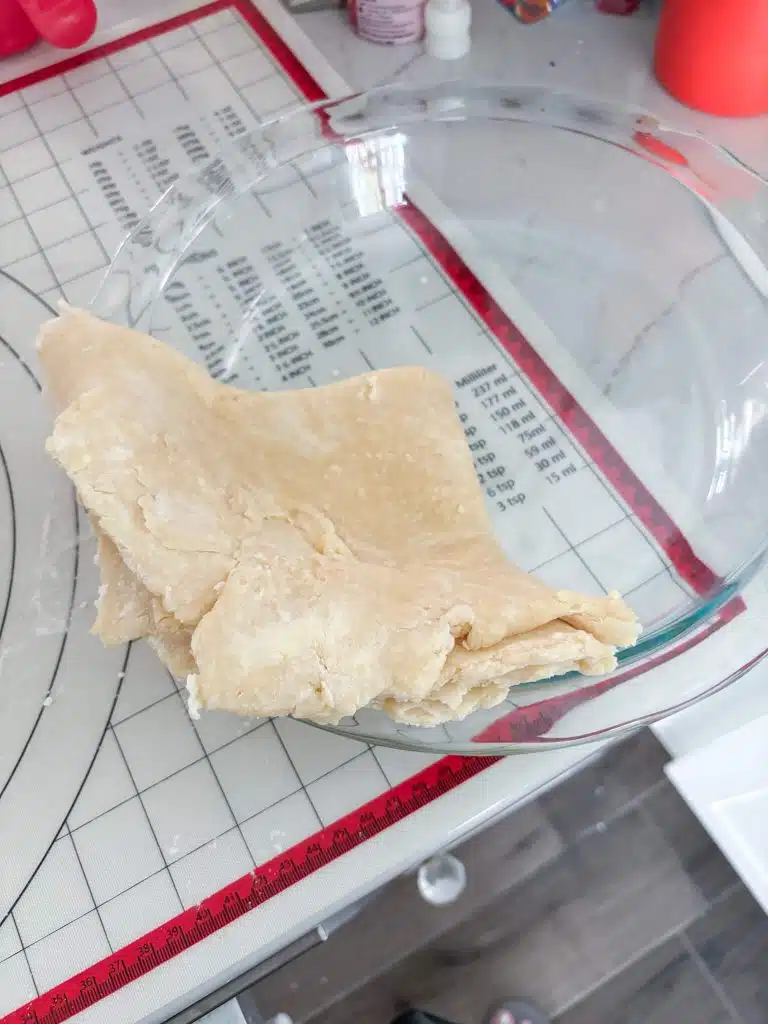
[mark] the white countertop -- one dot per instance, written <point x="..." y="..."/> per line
<point x="579" y="51"/>
<point x="575" y="49"/>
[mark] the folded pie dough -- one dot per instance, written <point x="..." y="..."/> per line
<point x="303" y="552"/>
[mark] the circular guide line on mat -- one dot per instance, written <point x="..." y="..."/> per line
<point x="12" y="510"/>
<point x="6" y="471"/>
<point x="57" y="689"/>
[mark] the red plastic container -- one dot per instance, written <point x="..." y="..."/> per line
<point x="713" y="55"/>
<point x="64" y="23"/>
<point x="17" y="32"/>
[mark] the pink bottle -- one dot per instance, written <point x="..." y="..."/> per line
<point x="388" y="21"/>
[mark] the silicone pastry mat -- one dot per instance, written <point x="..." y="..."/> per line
<point x="158" y="855"/>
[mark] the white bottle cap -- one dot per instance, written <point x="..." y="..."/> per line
<point x="447" y="28"/>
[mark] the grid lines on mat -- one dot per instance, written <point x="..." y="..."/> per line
<point x="50" y="239"/>
<point x="117" y="868"/>
<point x="175" y="809"/>
<point x="152" y="835"/>
<point x="217" y="61"/>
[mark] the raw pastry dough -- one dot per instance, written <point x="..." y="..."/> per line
<point x="303" y="552"/>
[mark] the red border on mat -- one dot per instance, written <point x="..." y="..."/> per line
<point x="274" y="43"/>
<point x="531" y="722"/>
<point x="581" y="426"/>
<point x="242" y="895"/>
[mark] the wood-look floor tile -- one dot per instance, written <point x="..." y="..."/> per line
<point x="577" y="903"/>
<point x="398" y="922"/>
<point x="664" y="987"/>
<point x="600" y="791"/>
<point x="732" y="940"/>
<point x="702" y="861"/>
<point x="562" y="933"/>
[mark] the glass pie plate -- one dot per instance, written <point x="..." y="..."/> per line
<point x="594" y="284"/>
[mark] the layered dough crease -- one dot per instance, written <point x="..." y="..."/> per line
<point x="303" y="552"/>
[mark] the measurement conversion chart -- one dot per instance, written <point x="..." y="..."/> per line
<point x="308" y="276"/>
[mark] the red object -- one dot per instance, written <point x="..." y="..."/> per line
<point x="713" y="55"/>
<point x="17" y="32"/>
<point x="618" y="6"/>
<point x="63" y="23"/>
